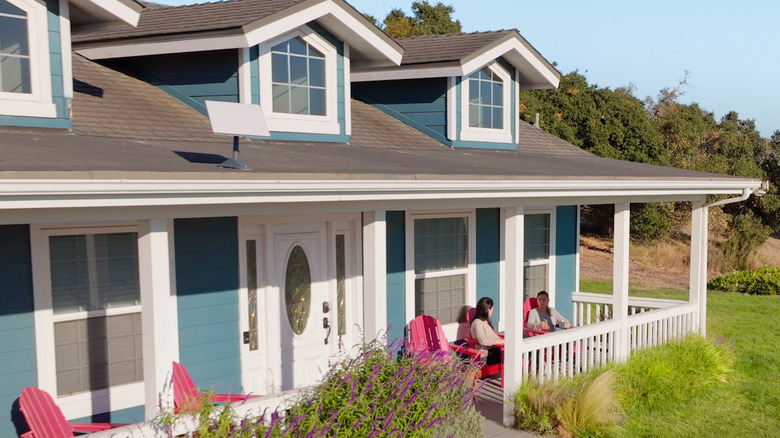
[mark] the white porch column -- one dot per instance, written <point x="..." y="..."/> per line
<point x="620" y="277"/>
<point x="513" y="255"/>
<point x="159" y="317"/>
<point x="374" y="273"/>
<point x="697" y="291"/>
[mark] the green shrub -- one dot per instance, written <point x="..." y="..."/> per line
<point x="651" y="222"/>
<point x="375" y="394"/>
<point x="745" y="234"/>
<point x="762" y="281"/>
<point x="671" y="372"/>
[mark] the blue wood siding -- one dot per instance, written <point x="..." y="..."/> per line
<point x="488" y="254"/>
<point x="419" y="103"/>
<point x="17" y="333"/>
<point x="193" y="78"/>
<point x="59" y="100"/>
<point x="207" y="289"/>
<point x="396" y="269"/>
<point x="566" y="248"/>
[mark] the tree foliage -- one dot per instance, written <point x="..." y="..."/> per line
<point x="427" y="19"/>
<point x="661" y="130"/>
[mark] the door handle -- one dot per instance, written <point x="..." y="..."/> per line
<point x="326" y="325"/>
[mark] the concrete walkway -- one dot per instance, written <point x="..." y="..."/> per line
<point x="490" y="404"/>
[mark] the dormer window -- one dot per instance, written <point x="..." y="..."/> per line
<point x="14" y="50"/>
<point x="298" y="83"/>
<point x="485" y="105"/>
<point x="25" y="79"/>
<point x="298" y="78"/>
<point x="486" y="100"/>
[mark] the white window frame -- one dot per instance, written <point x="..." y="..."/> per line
<point x="470" y="270"/>
<point x="549" y="261"/>
<point x="313" y="124"/>
<point x="86" y="403"/>
<point x="39" y="102"/>
<point x="490" y="135"/>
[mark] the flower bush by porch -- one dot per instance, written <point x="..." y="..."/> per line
<point x="375" y="394"/>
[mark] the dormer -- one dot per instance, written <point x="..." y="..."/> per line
<point x="471" y="84"/>
<point x="292" y="57"/>
<point x="36" y="83"/>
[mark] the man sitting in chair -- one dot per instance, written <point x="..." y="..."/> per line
<point x="545" y="317"/>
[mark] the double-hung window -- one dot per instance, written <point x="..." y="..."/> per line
<point x="537" y="260"/>
<point x="90" y="306"/>
<point x="442" y="260"/>
<point x="298" y="83"/>
<point x="486" y="105"/>
<point x="25" y="80"/>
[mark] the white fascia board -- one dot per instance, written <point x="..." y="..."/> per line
<point x="163" y="47"/>
<point x="517" y="54"/>
<point x="119" y="9"/>
<point x="367" y="75"/>
<point x="34" y="194"/>
<point x="337" y="20"/>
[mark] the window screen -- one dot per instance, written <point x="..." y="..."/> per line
<point x="441" y="297"/>
<point x="92" y="272"/>
<point x="440" y="244"/>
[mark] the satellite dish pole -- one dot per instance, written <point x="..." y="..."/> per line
<point x="237" y="119"/>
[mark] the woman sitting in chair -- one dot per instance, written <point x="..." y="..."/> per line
<point x="545" y="317"/>
<point x="482" y="331"/>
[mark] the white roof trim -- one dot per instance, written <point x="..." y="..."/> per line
<point x="120" y="10"/>
<point x="338" y="20"/>
<point x="157" y="48"/>
<point x="364" y="75"/>
<point x="354" y="32"/>
<point x="517" y="54"/>
<point x="512" y="49"/>
<point x="36" y="194"/>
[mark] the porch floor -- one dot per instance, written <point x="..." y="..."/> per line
<point x="490" y="404"/>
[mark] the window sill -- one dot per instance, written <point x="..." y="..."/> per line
<point x="105" y="400"/>
<point x="23" y="108"/>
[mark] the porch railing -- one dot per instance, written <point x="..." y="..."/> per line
<point x="599" y="338"/>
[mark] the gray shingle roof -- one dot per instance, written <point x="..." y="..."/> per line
<point x="226" y="16"/>
<point x="444" y="48"/>
<point x="117" y="137"/>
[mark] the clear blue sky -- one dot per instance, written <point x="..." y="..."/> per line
<point x="731" y="49"/>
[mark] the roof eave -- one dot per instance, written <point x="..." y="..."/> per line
<point x="128" y="11"/>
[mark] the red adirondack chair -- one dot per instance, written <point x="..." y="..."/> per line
<point x="472" y="343"/>
<point x="425" y="334"/>
<point x="45" y="419"/>
<point x="185" y="393"/>
<point x="529" y="304"/>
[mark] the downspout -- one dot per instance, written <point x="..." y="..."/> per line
<point x="702" y="299"/>
<point x="759" y="191"/>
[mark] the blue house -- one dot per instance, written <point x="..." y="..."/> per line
<point x="397" y="180"/>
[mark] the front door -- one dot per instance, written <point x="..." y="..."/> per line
<point x="300" y="282"/>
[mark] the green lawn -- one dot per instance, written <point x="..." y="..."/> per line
<point x="748" y="405"/>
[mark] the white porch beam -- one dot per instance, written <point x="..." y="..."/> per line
<point x="620" y="276"/>
<point x="514" y="224"/>
<point x="159" y="318"/>
<point x="697" y="290"/>
<point x="374" y="273"/>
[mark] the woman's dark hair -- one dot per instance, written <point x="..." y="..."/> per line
<point x="541" y="292"/>
<point x="482" y="310"/>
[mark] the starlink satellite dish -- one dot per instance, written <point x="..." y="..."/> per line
<point x="236" y="119"/>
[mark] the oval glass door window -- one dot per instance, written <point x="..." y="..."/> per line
<point x="297" y="290"/>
